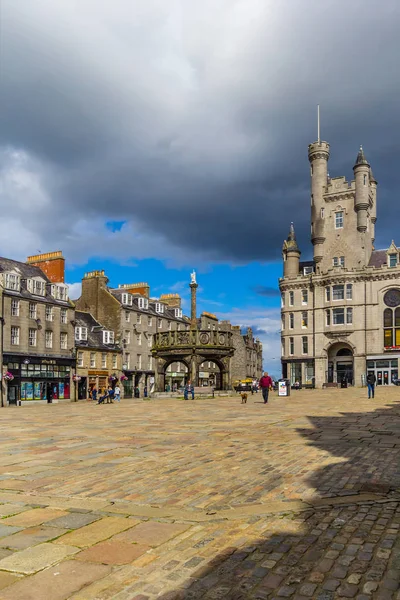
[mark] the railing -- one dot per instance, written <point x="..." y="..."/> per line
<point x="192" y="338"/>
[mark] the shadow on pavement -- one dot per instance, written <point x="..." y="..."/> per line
<point x="345" y="551"/>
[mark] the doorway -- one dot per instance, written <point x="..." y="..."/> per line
<point x="340" y="364"/>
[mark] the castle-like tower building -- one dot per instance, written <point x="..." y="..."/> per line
<point x="340" y="311"/>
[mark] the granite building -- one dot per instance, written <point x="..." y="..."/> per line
<point x="135" y="318"/>
<point x="98" y="356"/>
<point x="37" y="333"/>
<point x="341" y="310"/>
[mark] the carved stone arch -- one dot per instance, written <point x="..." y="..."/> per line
<point x="339" y="340"/>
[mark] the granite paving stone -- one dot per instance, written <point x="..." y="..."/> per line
<point x="36" y="558"/>
<point x="300" y="499"/>
<point x="31" y="537"/>
<point x="95" y="532"/>
<point x="113" y="553"/>
<point x="56" y="583"/>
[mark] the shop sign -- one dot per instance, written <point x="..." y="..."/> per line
<point x="101" y="373"/>
<point x="203" y="375"/>
<point x="47" y="361"/>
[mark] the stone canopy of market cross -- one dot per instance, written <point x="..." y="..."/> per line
<point x="341" y="310"/>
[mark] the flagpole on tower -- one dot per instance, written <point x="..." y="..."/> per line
<point x="318" y="122"/>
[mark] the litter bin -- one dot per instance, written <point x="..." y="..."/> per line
<point x="283" y="387"/>
<point x="343" y="383"/>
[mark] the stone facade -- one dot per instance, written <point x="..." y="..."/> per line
<point x="37" y="342"/>
<point x="246" y="363"/>
<point x="98" y="357"/>
<point x="135" y="318"/>
<point x="340" y="311"/>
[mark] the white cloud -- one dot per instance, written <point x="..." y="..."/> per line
<point x="266" y="320"/>
<point x="75" y="290"/>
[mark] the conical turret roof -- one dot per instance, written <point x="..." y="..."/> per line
<point x="291" y="242"/>
<point x="361" y="160"/>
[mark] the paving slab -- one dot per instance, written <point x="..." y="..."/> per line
<point x="152" y="533"/>
<point x="7" y="510"/>
<point x="113" y="553"/>
<point x="7" y="579"/>
<point x="56" y="583"/>
<point x="6" y="530"/>
<point x="95" y="532"/>
<point x="34" y="517"/>
<point x="36" y="558"/>
<point x="74" y="520"/>
<point x="31" y="537"/>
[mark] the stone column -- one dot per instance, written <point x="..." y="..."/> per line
<point x="193" y="311"/>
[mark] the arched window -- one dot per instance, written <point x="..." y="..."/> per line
<point x="391" y="327"/>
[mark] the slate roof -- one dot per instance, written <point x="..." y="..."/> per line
<point x="169" y="313"/>
<point x="26" y="272"/>
<point x="94" y="333"/>
<point x="378" y="258"/>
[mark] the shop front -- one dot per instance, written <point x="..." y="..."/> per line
<point x="38" y="378"/>
<point x="99" y="380"/>
<point x="385" y="368"/>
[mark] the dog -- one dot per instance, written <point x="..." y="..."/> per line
<point x="244" y="397"/>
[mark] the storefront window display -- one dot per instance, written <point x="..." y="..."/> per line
<point x="40" y="380"/>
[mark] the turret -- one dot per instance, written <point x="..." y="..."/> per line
<point x="373" y="183"/>
<point x="361" y="201"/>
<point x="318" y="155"/>
<point x="291" y="255"/>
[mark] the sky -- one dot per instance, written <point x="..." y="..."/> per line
<point x="150" y="138"/>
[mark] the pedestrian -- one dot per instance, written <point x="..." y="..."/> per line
<point x="110" y="395"/>
<point x="117" y="393"/>
<point x="145" y="391"/>
<point x="137" y="392"/>
<point x="94" y="394"/>
<point x="189" y="389"/>
<point x="371" y="381"/>
<point x="265" y="385"/>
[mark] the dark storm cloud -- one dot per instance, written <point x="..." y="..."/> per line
<point x="268" y="292"/>
<point x="190" y="123"/>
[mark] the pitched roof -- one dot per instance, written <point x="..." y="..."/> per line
<point x="26" y="272"/>
<point x="94" y="333"/>
<point x="378" y="258"/>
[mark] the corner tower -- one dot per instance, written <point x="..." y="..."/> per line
<point x="291" y="255"/>
<point x="318" y="155"/>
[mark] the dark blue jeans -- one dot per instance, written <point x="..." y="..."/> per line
<point x="371" y="390"/>
<point x="265" y="392"/>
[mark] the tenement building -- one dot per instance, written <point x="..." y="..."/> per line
<point x="340" y="311"/>
<point x="134" y="318"/>
<point x="36" y="330"/>
<point x="98" y="357"/>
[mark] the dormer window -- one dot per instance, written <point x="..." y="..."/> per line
<point x="12" y="281"/>
<point x="143" y="303"/>
<point x="393" y="260"/>
<point x="322" y="213"/>
<point x="108" y="337"/>
<point x="159" y="307"/>
<point x="178" y="313"/>
<point x="59" y="292"/>
<point x="36" y="287"/>
<point x="80" y="334"/>
<point x="127" y="299"/>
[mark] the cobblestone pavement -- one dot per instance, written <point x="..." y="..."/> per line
<point x="207" y="499"/>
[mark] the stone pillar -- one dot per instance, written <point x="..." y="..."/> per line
<point x="193" y="308"/>
<point x="193" y="371"/>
